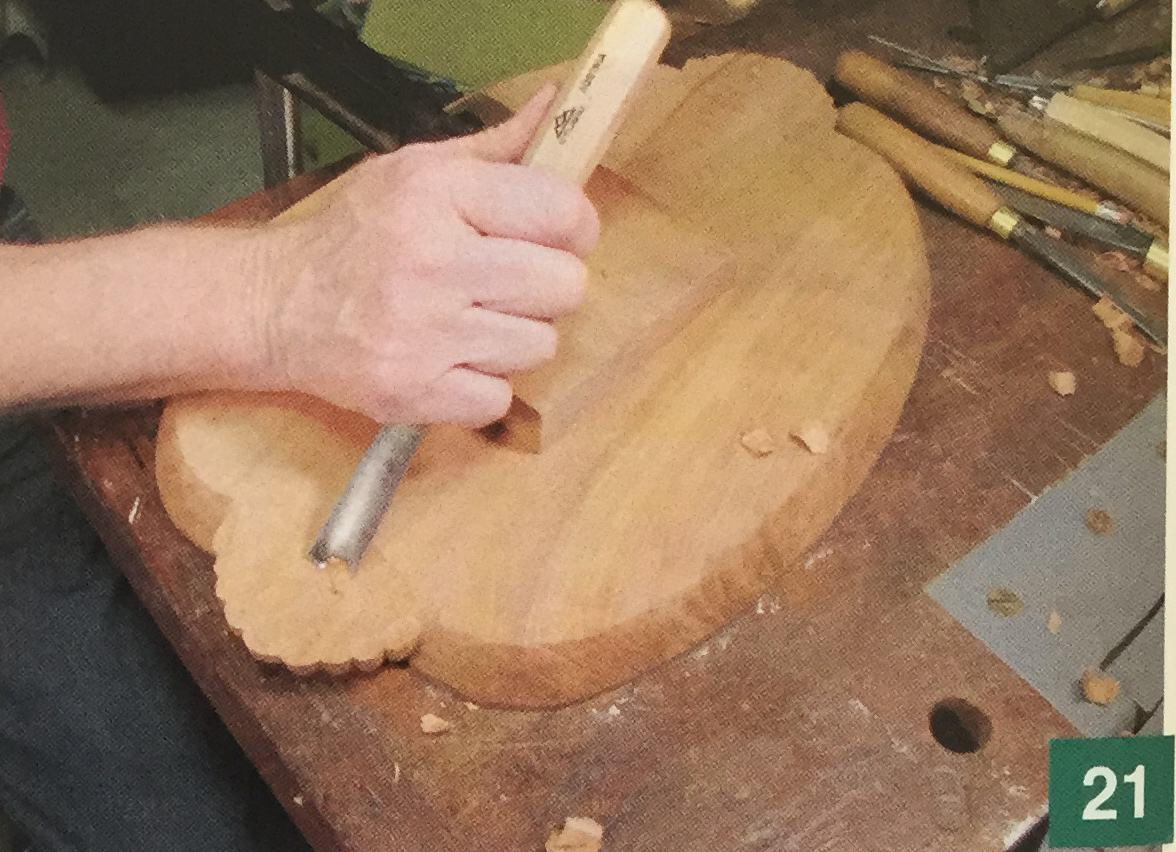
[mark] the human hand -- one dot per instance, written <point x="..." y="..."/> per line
<point x="429" y="275"/>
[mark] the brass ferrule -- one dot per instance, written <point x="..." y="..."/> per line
<point x="1001" y="152"/>
<point x="1003" y="221"/>
<point x="1157" y="259"/>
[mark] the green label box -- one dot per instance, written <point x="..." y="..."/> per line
<point x="1111" y="791"/>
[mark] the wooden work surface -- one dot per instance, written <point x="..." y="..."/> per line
<point x="804" y="724"/>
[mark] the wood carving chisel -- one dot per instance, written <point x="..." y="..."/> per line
<point x="571" y="141"/>
<point x="1115" y="235"/>
<point x="919" y="163"/>
<point x="1151" y="110"/>
<point x="1107" y="126"/>
<point x="1101" y="208"/>
<point x="903" y="95"/>
<point x="1132" y="181"/>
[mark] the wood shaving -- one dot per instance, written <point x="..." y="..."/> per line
<point x="758" y="442"/>
<point x="1099" y="687"/>
<point x="1054" y="622"/>
<point x="433" y="725"/>
<point x="813" y="437"/>
<point x="1128" y="346"/>
<point x="976" y="97"/>
<point x="1109" y="314"/>
<point x="1063" y="382"/>
<point x="1051" y="231"/>
<point x="1116" y="260"/>
<point x="1099" y="521"/>
<point x="579" y="834"/>
<point x="1004" y="601"/>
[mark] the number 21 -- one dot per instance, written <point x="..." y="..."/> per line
<point x="1094" y="809"/>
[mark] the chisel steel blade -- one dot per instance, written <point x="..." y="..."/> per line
<point x="1067" y="263"/>
<point x="1125" y="237"/>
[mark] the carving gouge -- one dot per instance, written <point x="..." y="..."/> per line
<point x="1042" y="189"/>
<point x="1145" y="189"/>
<point x="1127" y="238"/>
<point x="920" y="164"/>
<point x="923" y="107"/>
<point x="570" y="142"/>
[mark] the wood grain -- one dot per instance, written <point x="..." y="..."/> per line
<point x="537" y="580"/>
<point x="760" y="739"/>
<point x="919" y="161"/>
<point x="1128" y="179"/>
<point x="1154" y="108"/>
<point x="1111" y="128"/>
<point x="905" y="96"/>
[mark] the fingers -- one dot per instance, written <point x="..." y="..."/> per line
<point x="523" y="279"/>
<point x="498" y="344"/>
<point x="506" y="142"/>
<point x="465" y="397"/>
<point x="525" y="203"/>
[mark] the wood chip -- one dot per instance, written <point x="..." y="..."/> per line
<point x="1004" y="601"/>
<point x="1099" y="521"/>
<point x="976" y="97"/>
<point x="813" y="437"/>
<point x="1128" y="346"/>
<point x="1054" y="622"/>
<point x="1116" y="260"/>
<point x="1051" y="231"/>
<point x="579" y="834"/>
<point x="431" y="724"/>
<point x="758" y="442"/>
<point x="1063" y="382"/>
<point x="1099" y="687"/>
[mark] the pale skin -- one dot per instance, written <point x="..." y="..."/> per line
<point x="429" y="276"/>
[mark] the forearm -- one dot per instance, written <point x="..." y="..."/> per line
<point x="138" y="315"/>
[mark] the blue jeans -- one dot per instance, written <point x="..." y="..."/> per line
<point x="105" y="741"/>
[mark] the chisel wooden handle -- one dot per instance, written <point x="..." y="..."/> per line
<point x="1146" y="106"/>
<point x="1123" y="176"/>
<point x="1110" y="127"/>
<point x="591" y="105"/>
<point x="920" y="163"/>
<point x="903" y="95"/>
<point x="570" y="142"/>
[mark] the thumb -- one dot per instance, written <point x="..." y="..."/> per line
<point x="508" y="141"/>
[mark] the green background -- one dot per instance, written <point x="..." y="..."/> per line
<point x="1069" y="760"/>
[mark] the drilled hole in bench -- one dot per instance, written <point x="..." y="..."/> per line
<point x="959" y="726"/>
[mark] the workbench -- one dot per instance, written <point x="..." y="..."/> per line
<point x="804" y="723"/>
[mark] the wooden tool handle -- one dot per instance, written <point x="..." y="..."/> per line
<point x="589" y="108"/>
<point x="934" y="113"/>
<point x="1146" y="106"/>
<point x="1040" y="188"/>
<point x="1112" y="128"/>
<point x="1123" y="176"/>
<point x="920" y="163"/>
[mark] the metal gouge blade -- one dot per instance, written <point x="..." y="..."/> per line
<point x="356" y="517"/>
<point x="1067" y="263"/>
<point x="1114" y="234"/>
<point x="570" y="142"/>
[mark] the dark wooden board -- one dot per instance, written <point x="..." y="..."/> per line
<point x="803" y="723"/>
